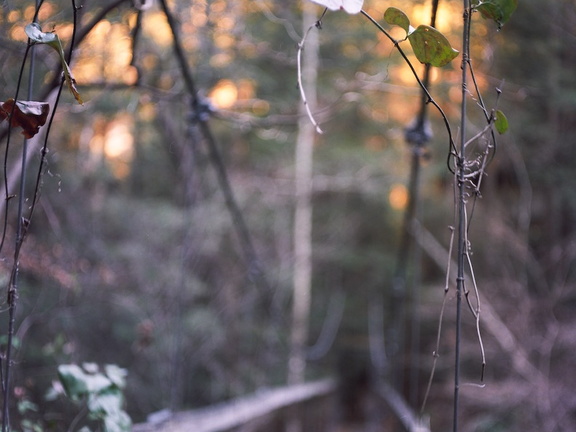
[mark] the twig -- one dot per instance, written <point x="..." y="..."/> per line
<point x="475" y="311"/>
<point x="318" y="25"/>
<point x="417" y="229"/>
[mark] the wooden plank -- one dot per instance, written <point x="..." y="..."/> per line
<point x="225" y="416"/>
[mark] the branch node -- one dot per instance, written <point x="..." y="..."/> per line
<point x="202" y="110"/>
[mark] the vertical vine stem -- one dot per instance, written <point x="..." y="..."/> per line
<point x="21" y="227"/>
<point x="44" y="150"/>
<point x="461" y="198"/>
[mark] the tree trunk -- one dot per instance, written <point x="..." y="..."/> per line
<point x="303" y="215"/>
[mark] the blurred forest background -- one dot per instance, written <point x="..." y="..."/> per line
<point x="133" y="258"/>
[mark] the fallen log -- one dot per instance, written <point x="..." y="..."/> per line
<point x="237" y="412"/>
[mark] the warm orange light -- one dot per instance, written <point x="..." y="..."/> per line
<point x="398" y="197"/>
<point x="220" y="60"/>
<point x="402" y="107"/>
<point x="13" y="16"/>
<point x="218" y="6"/>
<point x="224" y="41"/>
<point x="420" y="14"/>
<point x="113" y="143"/>
<point x="375" y="143"/>
<point x="100" y="30"/>
<point x="17" y="33"/>
<point x="226" y="23"/>
<point x="246" y="89"/>
<point x="106" y="55"/>
<point x="455" y="94"/>
<point x="130" y="75"/>
<point x="64" y="31"/>
<point x="46" y="11"/>
<point x="147" y="111"/>
<point x="351" y="50"/>
<point x="224" y="95"/>
<point x="260" y="107"/>
<point x="156" y="27"/>
<point x="29" y="13"/>
<point x="118" y="141"/>
<point x="402" y="73"/>
<point x="119" y="146"/>
<point x="449" y="18"/>
<point x="199" y="19"/>
<point x="96" y="146"/>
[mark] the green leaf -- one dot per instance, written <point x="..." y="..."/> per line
<point x="118" y="422"/>
<point x="431" y="47"/>
<point x="54" y="392"/>
<point x="73" y="379"/>
<point x="117" y="375"/>
<point x="25" y="405"/>
<point x="395" y="16"/>
<point x="501" y="122"/>
<point x="35" y="33"/>
<point x="90" y="367"/>
<point x="79" y="382"/>
<point x="97" y="382"/>
<point x="105" y="404"/>
<point x="498" y="10"/>
<point x="30" y="426"/>
<point x="102" y="393"/>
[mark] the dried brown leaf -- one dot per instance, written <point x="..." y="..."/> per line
<point x="29" y="115"/>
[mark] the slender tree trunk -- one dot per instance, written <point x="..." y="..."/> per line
<point x="303" y="216"/>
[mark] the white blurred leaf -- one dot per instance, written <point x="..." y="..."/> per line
<point x="350" y="6"/>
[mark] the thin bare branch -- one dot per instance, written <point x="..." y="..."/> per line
<point x="318" y="25"/>
<point x="436" y="353"/>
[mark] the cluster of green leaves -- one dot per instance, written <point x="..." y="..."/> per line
<point x="100" y="392"/>
<point x="429" y="45"/>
